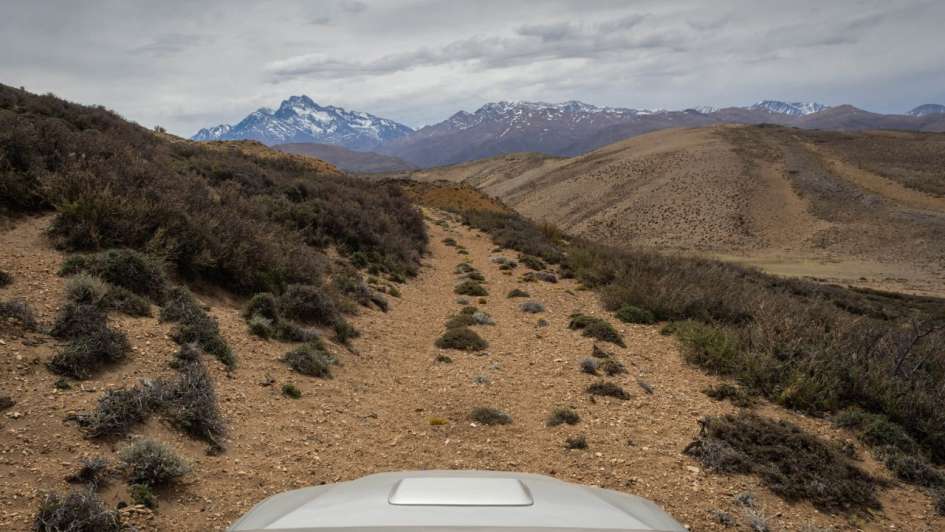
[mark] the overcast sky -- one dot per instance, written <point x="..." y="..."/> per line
<point x="186" y="65"/>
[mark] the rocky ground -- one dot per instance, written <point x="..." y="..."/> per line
<point x="375" y="414"/>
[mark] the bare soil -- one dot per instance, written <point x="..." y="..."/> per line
<point x="375" y="414"/>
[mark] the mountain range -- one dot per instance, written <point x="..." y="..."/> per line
<point x="563" y="129"/>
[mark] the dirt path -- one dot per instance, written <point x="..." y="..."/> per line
<point x="374" y="415"/>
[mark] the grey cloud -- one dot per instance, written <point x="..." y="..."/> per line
<point x="170" y="43"/>
<point x="352" y="6"/>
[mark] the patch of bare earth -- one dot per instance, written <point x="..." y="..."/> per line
<point x="375" y="414"/>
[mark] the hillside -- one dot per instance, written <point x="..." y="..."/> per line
<point x="348" y="160"/>
<point x="857" y="208"/>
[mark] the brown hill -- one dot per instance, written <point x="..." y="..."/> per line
<point x="863" y="208"/>
<point x="352" y="161"/>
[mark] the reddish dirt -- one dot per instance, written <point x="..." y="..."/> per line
<point x="374" y="415"/>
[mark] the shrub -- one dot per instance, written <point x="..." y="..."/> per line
<point x="344" y="332"/>
<point x="611" y="367"/>
<point x="117" y="412"/>
<point x="468" y="310"/>
<point x="589" y="365"/>
<point x="74" y="320"/>
<point x="310" y="359"/>
<point x="531" y="277"/>
<point x="438" y="421"/>
<point x="474" y="276"/>
<point x="712" y="348"/>
<point x="76" y="511"/>
<point x="261" y="327"/>
<point x="443" y="359"/>
<point x="288" y="331"/>
<point x="460" y="320"/>
<point x="576" y="442"/>
<point x="608" y="389"/>
<point x="152" y="464"/>
<point x="87" y="354"/>
<point x="481" y="318"/>
<point x="20" y="311"/>
<point x="84" y="289"/>
<point x="143" y="495"/>
<point x="262" y="304"/>
<point x="736" y="394"/>
<point x="533" y="263"/>
<point x="461" y="338"/>
<point x="790" y="462"/>
<point x="911" y="468"/>
<point x="595" y="328"/>
<point x="93" y="473"/>
<point x="126" y="268"/>
<point x="490" y="416"/>
<point x="195" y="325"/>
<point x="450" y="241"/>
<point x="517" y="293"/>
<point x="308" y="304"/>
<point x="563" y="415"/>
<point x="189" y="403"/>
<point x="470" y="288"/>
<point x="598" y="352"/>
<point x="647" y="387"/>
<point x="5" y="279"/>
<point x="631" y="314"/>
<point x="127" y="302"/>
<point x="532" y="307"/>
<point x="291" y="391"/>
<point x="938" y="501"/>
<point x="464" y="267"/>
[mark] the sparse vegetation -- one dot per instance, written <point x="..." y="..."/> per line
<point x="595" y="328"/>
<point x="308" y="304"/>
<point x="611" y="367"/>
<point x="86" y="354"/>
<point x="809" y="346"/>
<point x="470" y="288"/>
<point x="589" y="366"/>
<point x="793" y="464"/>
<point x="76" y="511"/>
<point x="461" y="338"/>
<point x="737" y="395"/>
<point x="93" y="473"/>
<point x="19" y="311"/>
<point x="532" y="307"/>
<point x="608" y="389"/>
<point x="561" y="416"/>
<point x="310" y="359"/>
<point x="533" y="263"/>
<point x="576" y="442"/>
<point x="517" y="293"/>
<point x="5" y="279"/>
<point x="443" y="359"/>
<point x="631" y="314"/>
<point x="195" y="325"/>
<point x="291" y="391"/>
<point x="143" y="495"/>
<point x="151" y="463"/>
<point x="460" y="320"/>
<point x="490" y="416"/>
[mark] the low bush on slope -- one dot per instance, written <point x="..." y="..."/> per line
<point x="244" y="221"/>
<point x="813" y="347"/>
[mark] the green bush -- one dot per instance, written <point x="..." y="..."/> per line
<point x="460" y="320"/>
<point x="533" y="263"/>
<point x="475" y="276"/>
<point x="450" y="241"/>
<point x="517" y="293"/>
<point x="470" y="288"/>
<point x="152" y="464"/>
<point x="76" y="511"/>
<point x="261" y="327"/>
<point x="791" y="463"/>
<point x="608" y="389"/>
<point x="595" y="328"/>
<point x="345" y="332"/>
<point x="291" y="391"/>
<point x="310" y="359"/>
<point x="489" y="416"/>
<point x="262" y="304"/>
<point x="710" y="347"/>
<point x="631" y="314"/>
<point x="461" y="338"/>
<point x="911" y="468"/>
<point x="143" y="495"/>
<point x="563" y="415"/>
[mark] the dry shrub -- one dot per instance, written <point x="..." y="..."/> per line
<point x="194" y="325"/>
<point x="75" y="511"/>
<point x="490" y="416"/>
<point x="310" y="359"/>
<point x="19" y="311"/>
<point x="793" y="464"/>
<point x="596" y="328"/>
<point x="563" y="415"/>
<point x="470" y="288"/>
<point x="608" y="389"/>
<point x="461" y="338"/>
<point x="151" y="463"/>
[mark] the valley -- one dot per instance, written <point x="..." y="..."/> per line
<point x="812" y="204"/>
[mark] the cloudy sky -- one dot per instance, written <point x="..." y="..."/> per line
<point x="186" y="65"/>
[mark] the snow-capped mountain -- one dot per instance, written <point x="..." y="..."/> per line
<point x="786" y="108"/>
<point x="299" y="119"/>
<point x="928" y="109"/>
